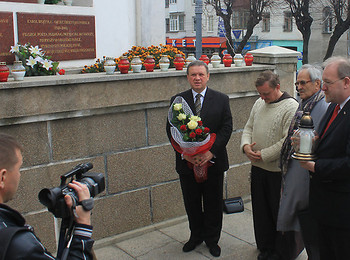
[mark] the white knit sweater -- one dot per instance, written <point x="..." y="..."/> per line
<point x="268" y="126"/>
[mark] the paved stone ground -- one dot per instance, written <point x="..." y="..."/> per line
<point x="164" y="241"/>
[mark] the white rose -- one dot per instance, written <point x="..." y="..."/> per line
<point x="181" y="116"/>
<point x="195" y="118"/>
<point x="177" y="106"/>
<point x="192" y="124"/>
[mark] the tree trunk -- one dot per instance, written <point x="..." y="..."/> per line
<point x="337" y="33"/>
<point x="250" y="29"/>
<point x="306" y="39"/>
<point x="229" y="42"/>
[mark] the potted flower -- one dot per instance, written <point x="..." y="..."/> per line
<point x="35" y="61"/>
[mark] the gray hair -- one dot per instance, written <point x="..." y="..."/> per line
<point x="343" y="65"/>
<point x="315" y="71"/>
<point x="197" y="63"/>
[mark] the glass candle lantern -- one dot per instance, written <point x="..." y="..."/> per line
<point x="215" y="60"/>
<point x="227" y="60"/>
<point x="190" y="58"/>
<point x="124" y="65"/>
<point x="149" y="63"/>
<point x="109" y="65"/>
<point x="179" y="62"/>
<point x="304" y="139"/>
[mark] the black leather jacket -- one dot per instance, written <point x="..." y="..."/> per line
<point x="25" y="245"/>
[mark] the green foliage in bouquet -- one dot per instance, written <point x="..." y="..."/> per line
<point x="34" y="60"/>
<point x="191" y="127"/>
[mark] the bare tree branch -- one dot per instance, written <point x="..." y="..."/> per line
<point x="301" y="13"/>
<point x="341" y="12"/>
<point x="256" y="9"/>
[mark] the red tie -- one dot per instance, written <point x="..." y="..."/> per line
<point x="334" y="115"/>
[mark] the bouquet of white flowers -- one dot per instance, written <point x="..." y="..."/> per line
<point x="189" y="136"/>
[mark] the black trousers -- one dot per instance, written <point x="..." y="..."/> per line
<point x="204" y="206"/>
<point x="334" y="243"/>
<point x="265" y="192"/>
<point x="309" y="231"/>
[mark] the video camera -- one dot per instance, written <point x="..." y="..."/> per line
<point x="53" y="198"/>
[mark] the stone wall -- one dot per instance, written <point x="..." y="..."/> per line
<point x="117" y="122"/>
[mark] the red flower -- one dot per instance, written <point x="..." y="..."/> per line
<point x="200" y="123"/>
<point x="62" y="72"/>
<point x="206" y="130"/>
<point x="183" y="128"/>
<point x="192" y="135"/>
<point x="199" y="131"/>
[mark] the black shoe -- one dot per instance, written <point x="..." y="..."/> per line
<point x="264" y="255"/>
<point x="215" y="250"/>
<point x="191" y="245"/>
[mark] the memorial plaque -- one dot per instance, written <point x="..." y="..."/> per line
<point x="63" y="37"/>
<point x="20" y="1"/>
<point x="6" y="37"/>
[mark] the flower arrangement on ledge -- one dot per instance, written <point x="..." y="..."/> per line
<point x="142" y="52"/>
<point x="35" y="61"/>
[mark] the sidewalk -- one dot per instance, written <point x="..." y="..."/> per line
<point x="164" y="241"/>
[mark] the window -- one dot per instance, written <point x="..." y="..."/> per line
<point x="193" y="2"/>
<point x="194" y="23"/>
<point x="172" y="1"/>
<point x="176" y="22"/>
<point x="327" y="20"/>
<point x="240" y="19"/>
<point x="288" y="22"/>
<point x="166" y="3"/>
<point x="167" y="25"/>
<point x="266" y="22"/>
<point x="181" y="22"/>
<point x="210" y="23"/>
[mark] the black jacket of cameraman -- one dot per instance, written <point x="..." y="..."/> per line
<point x="25" y="245"/>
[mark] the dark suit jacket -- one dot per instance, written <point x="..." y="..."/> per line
<point x="216" y="115"/>
<point x="330" y="184"/>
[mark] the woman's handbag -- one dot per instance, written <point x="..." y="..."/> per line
<point x="233" y="205"/>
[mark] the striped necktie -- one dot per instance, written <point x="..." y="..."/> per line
<point x="198" y="104"/>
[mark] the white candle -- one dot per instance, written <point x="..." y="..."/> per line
<point x="305" y="142"/>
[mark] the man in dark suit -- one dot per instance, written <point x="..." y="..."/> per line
<point x="330" y="172"/>
<point x="205" y="221"/>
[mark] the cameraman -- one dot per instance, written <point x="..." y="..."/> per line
<point x="24" y="244"/>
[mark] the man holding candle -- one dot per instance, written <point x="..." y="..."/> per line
<point x="329" y="198"/>
<point x="293" y="214"/>
<point x="262" y="139"/>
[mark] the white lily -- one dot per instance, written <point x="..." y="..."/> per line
<point x="47" y="64"/>
<point x="14" y="48"/>
<point x="35" y="50"/>
<point x="39" y="59"/>
<point x="31" y="61"/>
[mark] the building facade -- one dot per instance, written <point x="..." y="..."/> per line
<point x="276" y="28"/>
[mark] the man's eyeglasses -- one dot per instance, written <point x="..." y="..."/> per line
<point x="301" y="82"/>
<point x="331" y="83"/>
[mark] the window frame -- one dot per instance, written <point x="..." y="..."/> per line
<point x="327" y="23"/>
<point x="288" y="21"/>
<point x="240" y="19"/>
<point x="266" y="22"/>
<point x="210" y="23"/>
<point x="176" y="22"/>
